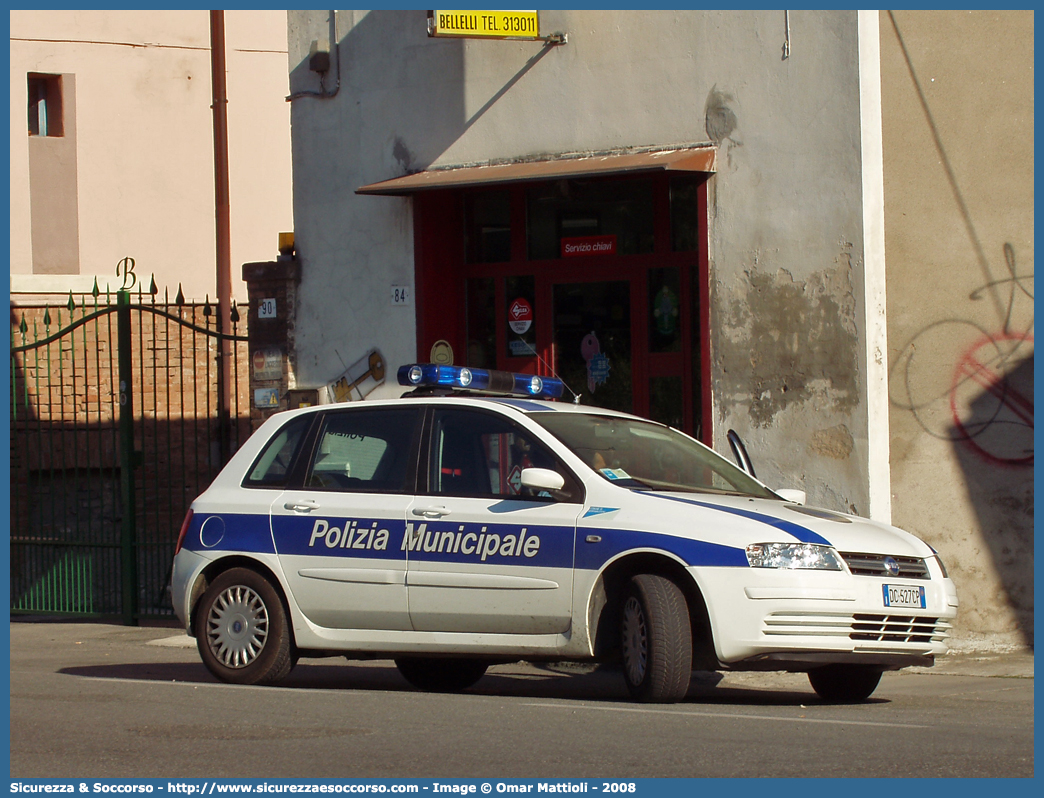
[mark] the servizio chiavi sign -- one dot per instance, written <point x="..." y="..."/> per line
<point x="484" y="24"/>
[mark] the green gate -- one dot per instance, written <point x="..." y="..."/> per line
<point x="120" y="417"/>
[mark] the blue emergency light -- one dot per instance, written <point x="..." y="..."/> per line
<point x="429" y="375"/>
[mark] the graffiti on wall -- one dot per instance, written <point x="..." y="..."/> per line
<point x="972" y="385"/>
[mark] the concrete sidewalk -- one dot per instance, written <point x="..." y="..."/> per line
<point x="1016" y="664"/>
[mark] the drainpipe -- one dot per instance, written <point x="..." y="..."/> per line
<point x="224" y="255"/>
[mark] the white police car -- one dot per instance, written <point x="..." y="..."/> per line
<point x="453" y="531"/>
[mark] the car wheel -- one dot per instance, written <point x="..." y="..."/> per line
<point x="242" y="631"/>
<point x="435" y="675"/>
<point x="656" y="640"/>
<point x="845" y="684"/>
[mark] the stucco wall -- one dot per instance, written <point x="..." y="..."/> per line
<point x="144" y="126"/>
<point x="786" y="238"/>
<point x="958" y="134"/>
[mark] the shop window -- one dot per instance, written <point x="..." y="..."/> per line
<point x="620" y="211"/>
<point x="45" y="105"/>
<point x="487" y="227"/>
<point x="665" y="401"/>
<point x="684" y="216"/>
<point x="664" y="310"/>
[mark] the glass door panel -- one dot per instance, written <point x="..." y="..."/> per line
<point x="592" y="341"/>
<point x="481" y="322"/>
<point x="666" y="403"/>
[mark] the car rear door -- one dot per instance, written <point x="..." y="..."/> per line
<point x="339" y="535"/>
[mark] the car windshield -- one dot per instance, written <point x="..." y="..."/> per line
<point x="644" y="455"/>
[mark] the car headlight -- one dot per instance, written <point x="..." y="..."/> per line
<point x="942" y="567"/>
<point x="793" y="555"/>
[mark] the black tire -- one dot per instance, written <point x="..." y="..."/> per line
<point x="845" y="684"/>
<point x="655" y="640"/>
<point x="242" y="630"/>
<point x="436" y="675"/>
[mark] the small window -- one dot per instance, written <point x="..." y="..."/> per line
<point x="364" y="451"/>
<point x="481" y="455"/>
<point x="272" y="467"/>
<point x="45" y="105"/>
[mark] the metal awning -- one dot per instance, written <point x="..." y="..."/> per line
<point x="690" y="159"/>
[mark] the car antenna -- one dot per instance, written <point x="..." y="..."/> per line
<point x="576" y="396"/>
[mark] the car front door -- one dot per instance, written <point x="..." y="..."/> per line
<point x="483" y="556"/>
<point x="339" y="536"/>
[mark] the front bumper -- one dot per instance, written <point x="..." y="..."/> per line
<point x="769" y="619"/>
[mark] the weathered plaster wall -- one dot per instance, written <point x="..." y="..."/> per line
<point x="958" y="91"/>
<point x="145" y="141"/>
<point x="786" y="237"/>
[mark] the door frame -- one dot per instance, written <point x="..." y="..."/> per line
<point x="441" y="275"/>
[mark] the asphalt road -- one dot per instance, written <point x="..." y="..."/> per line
<point x="96" y="700"/>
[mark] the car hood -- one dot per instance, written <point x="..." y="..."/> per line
<point x="741" y="520"/>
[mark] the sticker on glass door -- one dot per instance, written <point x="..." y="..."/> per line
<point x="597" y="363"/>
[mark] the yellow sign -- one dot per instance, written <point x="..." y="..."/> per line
<point x="484" y="24"/>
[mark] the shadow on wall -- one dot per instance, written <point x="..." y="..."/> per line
<point x="985" y="411"/>
<point x="972" y="386"/>
<point x="413" y="87"/>
<point x="410" y="84"/>
<point x="992" y="408"/>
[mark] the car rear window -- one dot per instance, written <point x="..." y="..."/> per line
<point x="272" y="467"/>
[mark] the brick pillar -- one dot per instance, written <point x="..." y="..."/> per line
<point x="272" y="294"/>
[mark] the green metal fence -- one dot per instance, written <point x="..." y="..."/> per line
<point x="119" y="419"/>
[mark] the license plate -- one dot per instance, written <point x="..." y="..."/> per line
<point x="903" y="596"/>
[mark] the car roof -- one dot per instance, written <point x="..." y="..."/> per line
<point x="466" y="399"/>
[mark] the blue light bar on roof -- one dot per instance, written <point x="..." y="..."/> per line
<point x="429" y="375"/>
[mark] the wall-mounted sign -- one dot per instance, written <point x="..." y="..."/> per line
<point x="400" y="295"/>
<point x="266" y="398"/>
<point x="520" y="316"/>
<point x="484" y="24"/>
<point x="359" y="379"/>
<point x="267" y="364"/>
<point x="584" y="246"/>
<point x="266" y="309"/>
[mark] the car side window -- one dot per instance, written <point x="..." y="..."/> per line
<point x="482" y="455"/>
<point x="272" y="467"/>
<point x="363" y="450"/>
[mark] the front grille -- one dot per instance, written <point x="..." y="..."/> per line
<point x="862" y="627"/>
<point x="873" y="565"/>
<point x="897" y="629"/>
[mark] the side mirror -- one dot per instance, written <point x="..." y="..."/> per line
<point x="792" y="495"/>
<point x="740" y="451"/>
<point x="542" y="479"/>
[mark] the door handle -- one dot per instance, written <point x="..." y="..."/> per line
<point x="302" y="506"/>
<point x="431" y="512"/>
